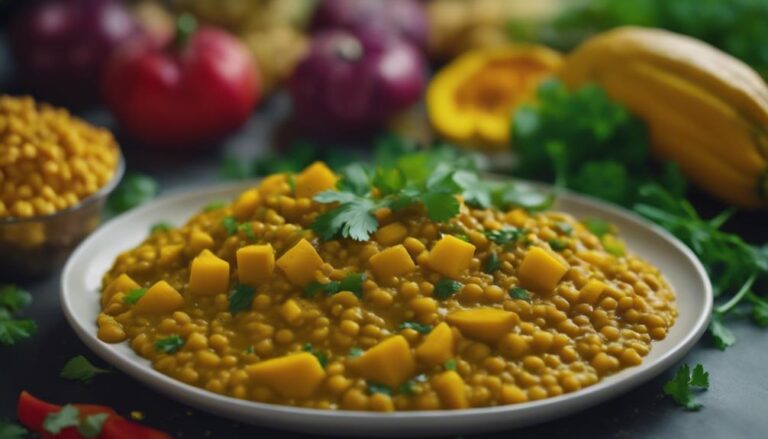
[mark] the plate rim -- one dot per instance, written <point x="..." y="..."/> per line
<point x="274" y="415"/>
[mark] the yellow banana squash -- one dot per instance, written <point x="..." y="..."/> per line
<point x="705" y="109"/>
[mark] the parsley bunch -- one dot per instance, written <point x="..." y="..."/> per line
<point x="12" y="329"/>
<point x="685" y="382"/>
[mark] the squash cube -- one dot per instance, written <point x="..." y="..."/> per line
<point x="292" y="376"/>
<point x="391" y="234"/>
<point x="121" y="284"/>
<point x="390" y="362"/>
<point x="170" y="254"/>
<point x="246" y="204"/>
<point x="394" y="261"/>
<point x="159" y="298"/>
<point x="590" y="293"/>
<point x="437" y="347"/>
<point x="314" y="179"/>
<point x="451" y="390"/>
<point x="540" y="271"/>
<point x="451" y="256"/>
<point x="484" y="324"/>
<point x="300" y="262"/>
<point x="208" y="275"/>
<point x="255" y="264"/>
<point x="291" y="312"/>
<point x="199" y="241"/>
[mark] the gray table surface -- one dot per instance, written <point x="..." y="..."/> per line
<point x="736" y="406"/>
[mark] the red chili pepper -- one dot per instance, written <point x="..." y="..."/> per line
<point x="32" y="413"/>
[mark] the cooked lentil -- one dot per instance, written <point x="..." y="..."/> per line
<point x="588" y="313"/>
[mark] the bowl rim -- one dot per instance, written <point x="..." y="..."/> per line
<point x="103" y="191"/>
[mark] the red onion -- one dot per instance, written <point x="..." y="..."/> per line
<point x="404" y="18"/>
<point x="61" y="46"/>
<point x="350" y="85"/>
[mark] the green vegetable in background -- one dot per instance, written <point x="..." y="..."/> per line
<point x="685" y="382"/>
<point x="10" y="430"/>
<point x="12" y="329"/>
<point x="133" y="190"/>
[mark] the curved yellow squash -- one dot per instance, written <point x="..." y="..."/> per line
<point x="705" y="109"/>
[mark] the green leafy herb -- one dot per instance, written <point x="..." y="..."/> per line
<point x="597" y="226"/>
<point x="247" y="229"/>
<point x="322" y="358"/>
<point x="353" y="282"/>
<point x="12" y="329"/>
<point x="134" y="295"/>
<point x="492" y="263"/>
<point x="233" y="168"/>
<point x="250" y="350"/>
<point x="558" y="245"/>
<point x="230" y="225"/>
<point x="91" y="425"/>
<point x="446" y="288"/>
<point x="681" y="387"/>
<point x="374" y="388"/>
<point x="407" y="387"/>
<point x="133" y="190"/>
<point x="355" y="352"/>
<point x="520" y="294"/>
<point x="418" y="327"/>
<point x="169" y="345"/>
<point x="10" y="430"/>
<point x="450" y="364"/>
<point x="68" y="416"/>
<point x="216" y="205"/>
<point x="241" y="298"/>
<point x="313" y="288"/>
<point x="160" y="227"/>
<point x="291" y="179"/>
<point x="564" y="227"/>
<point x="80" y="369"/>
<point x="507" y="235"/>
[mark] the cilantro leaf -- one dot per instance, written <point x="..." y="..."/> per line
<point x="322" y="358"/>
<point x="418" y="327"/>
<point x="160" y="227"/>
<point x="374" y="388"/>
<point x="134" y="295"/>
<point x="389" y="181"/>
<point x="722" y="337"/>
<point x="230" y="225"/>
<point x="11" y="431"/>
<point x="681" y="387"/>
<point x="558" y="245"/>
<point x="133" y="190"/>
<point x="353" y="283"/>
<point x="597" y="226"/>
<point x="247" y="229"/>
<point x="352" y="220"/>
<point x="492" y="263"/>
<point x="441" y="206"/>
<point x="68" y="416"/>
<point x="520" y="294"/>
<point x="564" y="227"/>
<point x="13" y="331"/>
<point x="241" y="298"/>
<point x="759" y="310"/>
<point x="14" y="299"/>
<point x="215" y="205"/>
<point x="446" y="288"/>
<point x="169" y="345"/>
<point x="233" y="168"/>
<point x="355" y="179"/>
<point x="355" y="352"/>
<point x="80" y="369"/>
<point x="504" y="236"/>
<point x="91" y="425"/>
<point x="450" y="364"/>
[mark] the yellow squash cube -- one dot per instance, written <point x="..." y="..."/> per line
<point x="390" y="362"/>
<point x="590" y="293"/>
<point x="451" y="256"/>
<point x="484" y="324"/>
<point x="208" y="275"/>
<point x="391" y="234"/>
<point x="199" y="241"/>
<point x="170" y="254"/>
<point x="540" y="271"/>
<point x="437" y="347"/>
<point x="300" y="262"/>
<point x="293" y="376"/>
<point x="159" y="298"/>
<point x="255" y="264"/>
<point x="246" y="204"/>
<point x="451" y="390"/>
<point x="394" y="261"/>
<point x="314" y="179"/>
<point x="121" y="284"/>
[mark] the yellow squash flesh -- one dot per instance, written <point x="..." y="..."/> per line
<point x="705" y="109"/>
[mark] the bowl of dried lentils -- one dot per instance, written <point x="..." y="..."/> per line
<point x="56" y="172"/>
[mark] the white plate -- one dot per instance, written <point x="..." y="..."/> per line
<point x="82" y="276"/>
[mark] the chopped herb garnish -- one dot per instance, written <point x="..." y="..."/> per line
<point x="597" y="226"/>
<point x="682" y="386"/>
<point x="374" y="388"/>
<point x="241" y="298"/>
<point x="558" y="245"/>
<point x="291" y="179"/>
<point x="450" y="364"/>
<point x="355" y="352"/>
<point x="322" y="358"/>
<point x="91" y="425"/>
<point x="68" y="416"/>
<point x="492" y="263"/>
<point x="233" y="168"/>
<point x="134" y="189"/>
<point x="247" y="229"/>
<point x="313" y="288"/>
<point x="134" y="295"/>
<point x="250" y="350"/>
<point x="10" y="430"/>
<point x="418" y="327"/>
<point x="353" y="282"/>
<point x="80" y="369"/>
<point x="216" y="205"/>
<point x="564" y="227"/>
<point x="230" y="225"/>
<point x="504" y="236"/>
<point x="520" y="293"/>
<point x="169" y="345"/>
<point x="160" y="227"/>
<point x="446" y="288"/>
<point x="13" y="330"/>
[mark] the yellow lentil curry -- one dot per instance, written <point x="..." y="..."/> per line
<point x="49" y="160"/>
<point x="491" y="307"/>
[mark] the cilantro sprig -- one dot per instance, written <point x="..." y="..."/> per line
<point x="169" y="345"/>
<point x="681" y="388"/>
<point x="321" y="356"/>
<point x="80" y="369"/>
<point x="12" y="329"/>
<point x="88" y="426"/>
